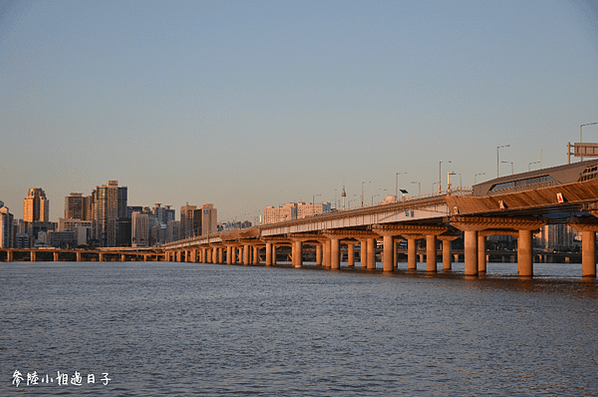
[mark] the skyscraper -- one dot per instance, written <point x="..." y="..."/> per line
<point x="36" y="207"/>
<point x="109" y="210"/>
<point x="6" y="227"/>
<point x="77" y="207"/>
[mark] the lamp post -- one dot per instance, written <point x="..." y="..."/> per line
<point x="397" y="185"/>
<point x="475" y="177"/>
<point x="507" y="162"/>
<point x="583" y="125"/>
<point x="419" y="190"/>
<point x="448" y="180"/>
<point x="497" y="158"/>
<point x="440" y="175"/>
<point x="362" y="191"/>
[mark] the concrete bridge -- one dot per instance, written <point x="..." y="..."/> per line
<point x="79" y="255"/>
<point x="516" y="205"/>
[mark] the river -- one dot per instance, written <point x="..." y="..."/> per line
<point x="158" y="328"/>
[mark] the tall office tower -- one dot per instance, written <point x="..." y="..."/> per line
<point x="112" y="226"/>
<point x="76" y="206"/>
<point x="6" y="227"/>
<point x="36" y="207"/>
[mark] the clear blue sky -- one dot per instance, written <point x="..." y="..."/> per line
<point x="246" y="104"/>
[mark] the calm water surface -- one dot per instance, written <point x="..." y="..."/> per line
<point x="192" y="329"/>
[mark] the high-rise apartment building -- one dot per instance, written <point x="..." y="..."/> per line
<point x="198" y="221"/>
<point x="36" y="207"/>
<point x="280" y="214"/>
<point x="77" y="206"/>
<point x="6" y="227"/>
<point x="209" y="221"/>
<point x="305" y="210"/>
<point x="190" y="221"/>
<point x="140" y="229"/>
<point x="109" y="211"/>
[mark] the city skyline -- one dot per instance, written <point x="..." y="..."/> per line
<point x="248" y="105"/>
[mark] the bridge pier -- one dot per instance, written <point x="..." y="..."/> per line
<point x="588" y="229"/>
<point x="256" y="255"/>
<point x="431" y="261"/>
<point x="411" y="253"/>
<point x="481" y="253"/>
<point x="371" y="254"/>
<point x="525" y="264"/>
<point x="268" y="254"/>
<point x="326" y="252"/>
<point x="522" y="227"/>
<point x="447" y="239"/>
<point x="335" y="254"/>
<point x="388" y="253"/>
<point x="55" y="256"/>
<point x="351" y="254"/>
<point x="319" y="254"/>
<point x="297" y="253"/>
<point x="246" y="255"/>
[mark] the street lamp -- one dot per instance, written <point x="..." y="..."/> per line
<point x="440" y="175"/>
<point x="448" y="180"/>
<point x="529" y="167"/>
<point x="397" y="185"/>
<point x="362" y="191"/>
<point x="583" y="125"/>
<point x="497" y="158"/>
<point x="507" y="162"/>
<point x="475" y="177"/>
<point x="419" y="191"/>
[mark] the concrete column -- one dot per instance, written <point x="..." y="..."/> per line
<point x="389" y="253"/>
<point x="268" y="254"/>
<point x="588" y="253"/>
<point x="481" y="253"/>
<point x="363" y="254"/>
<point x="411" y="254"/>
<point x="297" y="253"/>
<point x="101" y="257"/>
<point x="446" y="255"/>
<point x="194" y="255"/>
<point x="318" y="254"/>
<point x="326" y="248"/>
<point x="431" y="253"/>
<point x="221" y="255"/>
<point x="122" y="257"/>
<point x="256" y="255"/>
<point x="78" y="256"/>
<point x="351" y="254"/>
<point x="335" y="254"/>
<point x="525" y="264"/>
<point x="246" y="254"/>
<point x="229" y="254"/>
<point x="274" y="254"/>
<point x="471" y="252"/>
<point x="371" y="258"/>
<point x="55" y="256"/>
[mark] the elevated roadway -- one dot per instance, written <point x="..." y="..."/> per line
<point x="516" y="205"/>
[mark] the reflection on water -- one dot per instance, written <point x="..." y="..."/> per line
<point x="192" y="329"/>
